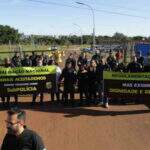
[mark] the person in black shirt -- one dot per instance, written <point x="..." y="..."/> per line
<point x="33" y="58"/>
<point x="134" y="66"/>
<point x="82" y="77"/>
<point x="16" y="60"/>
<point x="101" y="67"/>
<point x="96" y="57"/>
<point x="26" y="62"/>
<point x="39" y="63"/>
<point x="140" y="59"/>
<point x="112" y="61"/>
<point x="82" y="60"/>
<point x="8" y="63"/>
<point x="93" y="83"/>
<point x="72" y="60"/>
<point x="45" y="59"/>
<point x="69" y="76"/>
<point x="121" y="67"/>
<point x="18" y="137"/>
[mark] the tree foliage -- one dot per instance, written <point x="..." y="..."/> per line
<point x="9" y="34"/>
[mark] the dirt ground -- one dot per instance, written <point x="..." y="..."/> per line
<point x="122" y="127"/>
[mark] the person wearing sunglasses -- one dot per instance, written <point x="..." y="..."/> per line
<point x="18" y="136"/>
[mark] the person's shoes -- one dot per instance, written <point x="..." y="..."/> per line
<point x="65" y="103"/>
<point x="41" y="102"/>
<point x="7" y="104"/>
<point x="81" y="103"/>
<point x="96" y="102"/>
<point x="52" y="101"/>
<point x="107" y="106"/>
<point x="16" y="103"/>
<point x="87" y="102"/>
<point x="3" y="103"/>
<point x="32" y="103"/>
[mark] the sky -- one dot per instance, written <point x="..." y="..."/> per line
<point x="66" y="17"/>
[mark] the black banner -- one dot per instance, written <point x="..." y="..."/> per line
<point x="127" y="85"/>
<point x="27" y="80"/>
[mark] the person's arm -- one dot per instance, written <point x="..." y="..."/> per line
<point x="62" y="75"/>
<point x="140" y="68"/>
<point x="30" y="63"/>
<point x="128" y="68"/>
<point x="38" y="143"/>
<point x="75" y="77"/>
<point x="79" y="61"/>
<point x="4" y="144"/>
<point x="9" y="142"/>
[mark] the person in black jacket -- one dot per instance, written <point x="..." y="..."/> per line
<point x="96" y="57"/>
<point x="93" y="83"/>
<point x="71" y="60"/>
<point x="27" y="62"/>
<point x="111" y="61"/>
<point x="101" y="67"/>
<point x="9" y="64"/>
<point x="140" y="59"/>
<point x="83" y="81"/>
<point x="39" y="63"/>
<point x="134" y="66"/>
<point x="33" y="58"/>
<point x="82" y="60"/>
<point x="16" y="60"/>
<point x="18" y="136"/>
<point x="69" y="76"/>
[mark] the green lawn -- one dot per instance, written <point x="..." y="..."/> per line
<point x="13" y="48"/>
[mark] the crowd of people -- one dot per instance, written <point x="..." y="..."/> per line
<point x="82" y="74"/>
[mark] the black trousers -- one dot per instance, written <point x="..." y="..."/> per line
<point x="15" y="97"/>
<point x="35" y="95"/>
<point x="53" y="95"/>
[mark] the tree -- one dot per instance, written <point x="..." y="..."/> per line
<point x="138" y="38"/>
<point x="120" y="37"/>
<point x="7" y="34"/>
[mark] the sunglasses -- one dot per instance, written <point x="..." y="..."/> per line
<point x="11" y="123"/>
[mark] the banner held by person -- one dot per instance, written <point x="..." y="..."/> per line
<point x="126" y="85"/>
<point x="27" y="80"/>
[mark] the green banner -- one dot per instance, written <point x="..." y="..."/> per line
<point x="108" y="75"/>
<point x="27" y="80"/>
<point x="27" y="71"/>
<point x="118" y="84"/>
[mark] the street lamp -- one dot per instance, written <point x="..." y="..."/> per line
<point x="93" y="16"/>
<point x="80" y="31"/>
